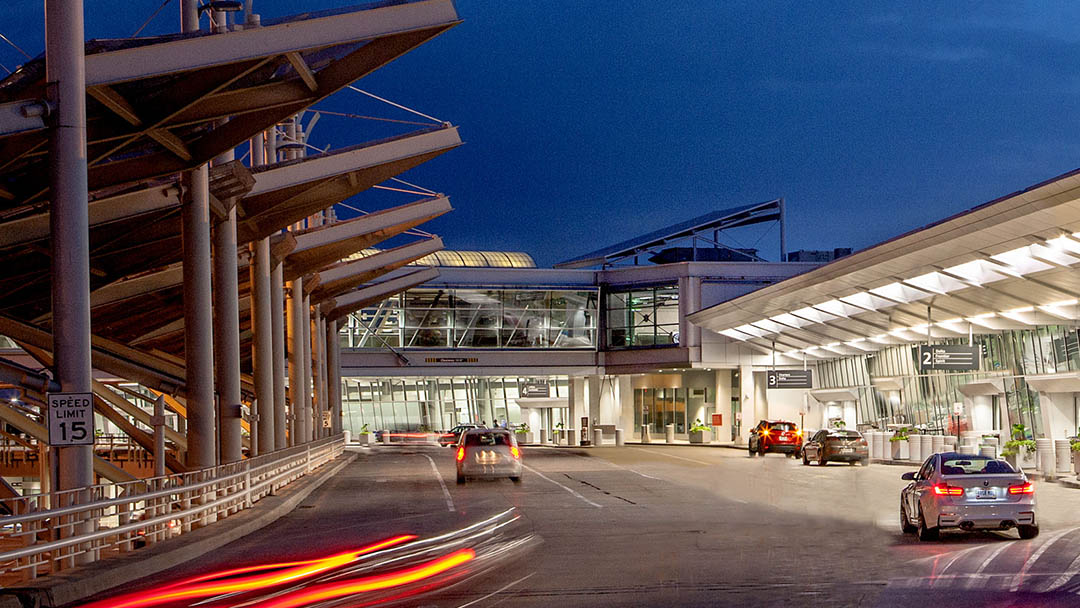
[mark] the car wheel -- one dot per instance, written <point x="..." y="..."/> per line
<point x="460" y="478"/>
<point x="821" y="461"/>
<point x="925" y="533"/>
<point x="905" y="523"/>
<point x="804" y="460"/>
<point x="515" y="479"/>
<point x="752" y="451"/>
<point x="1028" y="532"/>
<point x="790" y="454"/>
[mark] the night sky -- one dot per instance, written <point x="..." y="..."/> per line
<point x="590" y="122"/>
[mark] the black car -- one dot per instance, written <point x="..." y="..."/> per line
<point x="451" y="437"/>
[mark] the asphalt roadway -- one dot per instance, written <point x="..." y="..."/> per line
<point x="676" y="526"/>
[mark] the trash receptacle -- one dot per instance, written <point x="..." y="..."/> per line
<point x="669" y="433"/>
<point x="598" y="438"/>
<point x="619" y="438"/>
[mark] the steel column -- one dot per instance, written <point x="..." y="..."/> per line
<point x="69" y="221"/>
<point x="189" y="15"/>
<point x="277" y="323"/>
<point x="295" y="312"/>
<point x="263" y="350"/>
<point x="227" y="335"/>
<point x="198" y="321"/>
<point x="333" y="341"/>
<point x="309" y="422"/>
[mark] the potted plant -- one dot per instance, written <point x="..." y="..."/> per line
<point x="560" y="430"/>
<point x="699" y="433"/>
<point x="364" y="436"/>
<point x="1020" y="451"/>
<point x="840" y="424"/>
<point x="1076" y="457"/>
<point x="524" y="433"/>
<point x="898" y="445"/>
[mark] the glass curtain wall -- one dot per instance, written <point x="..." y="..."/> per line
<point x="926" y="399"/>
<point x="659" y="407"/>
<point x="642" y="317"/>
<point x="419" y="404"/>
<point x="477" y="318"/>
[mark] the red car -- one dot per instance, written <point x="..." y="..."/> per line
<point x="776" y="436"/>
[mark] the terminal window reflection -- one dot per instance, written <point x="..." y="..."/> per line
<point x="642" y="317"/>
<point x="477" y="318"/>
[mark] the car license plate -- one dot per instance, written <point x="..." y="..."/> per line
<point x="846" y="450"/>
<point x="986" y="494"/>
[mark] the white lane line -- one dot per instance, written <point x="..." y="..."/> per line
<point x="497" y="591"/>
<point x="570" y="490"/>
<point x="1066" y="576"/>
<point x="673" y="456"/>
<point x="977" y="575"/>
<point x="616" y="466"/>
<point x="445" y="491"/>
<point x="1019" y="578"/>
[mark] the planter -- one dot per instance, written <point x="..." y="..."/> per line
<point x="526" y="437"/>
<point x="562" y="437"/>
<point x="700" y="436"/>
<point x="364" y="439"/>
<point x="1076" y="463"/>
<point x="896" y="449"/>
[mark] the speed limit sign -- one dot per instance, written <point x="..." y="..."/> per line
<point x="71" y="419"/>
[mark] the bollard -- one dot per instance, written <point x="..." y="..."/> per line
<point x="645" y="437"/>
<point x="598" y="438"/>
<point x="938" y="443"/>
<point x="669" y="433"/>
<point x="1063" y="451"/>
<point x="619" y="441"/>
<point x="950" y="443"/>
<point x="385" y="436"/>
<point x="869" y="437"/>
<point x="543" y="436"/>
<point x="990" y="451"/>
<point x="571" y="437"/>
<point x="1044" y="457"/>
<point x="348" y="436"/>
<point x="879" y="445"/>
<point x="927" y="446"/>
<point x="915" y="448"/>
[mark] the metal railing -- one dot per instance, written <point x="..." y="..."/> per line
<point x="45" y="533"/>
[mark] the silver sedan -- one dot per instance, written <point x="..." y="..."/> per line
<point x="967" y="492"/>
<point x="488" y="453"/>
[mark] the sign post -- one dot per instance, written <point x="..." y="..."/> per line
<point x="71" y="419"/>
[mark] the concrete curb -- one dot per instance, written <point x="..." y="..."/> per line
<point x="77" y="584"/>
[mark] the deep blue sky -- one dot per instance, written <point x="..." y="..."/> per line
<point x="588" y="122"/>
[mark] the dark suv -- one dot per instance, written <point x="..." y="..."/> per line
<point x="775" y="436"/>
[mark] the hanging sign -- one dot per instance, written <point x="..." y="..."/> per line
<point x="535" y="387"/>
<point x="71" y="419"/>
<point x="951" y="357"/>
<point x="791" y="378"/>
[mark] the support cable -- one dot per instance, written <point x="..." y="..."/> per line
<point x="14" y="46"/>
<point x="366" y="117"/>
<point x="151" y="18"/>
<point x="396" y="105"/>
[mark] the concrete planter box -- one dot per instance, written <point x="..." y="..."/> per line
<point x="1024" y="458"/>
<point x="1076" y="462"/>
<point x="364" y="439"/>
<point x="700" y="436"/>
<point x="562" y="437"/>
<point x="526" y="437"/>
<point x="898" y="450"/>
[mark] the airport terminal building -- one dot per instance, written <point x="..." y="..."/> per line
<point x="672" y="327"/>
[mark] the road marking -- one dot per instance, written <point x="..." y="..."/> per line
<point x="709" y="464"/>
<point x="1019" y="578"/>
<point x="1067" y="575"/>
<point x="570" y="490"/>
<point x="977" y="575"/>
<point x="497" y="591"/>
<point x="445" y="491"/>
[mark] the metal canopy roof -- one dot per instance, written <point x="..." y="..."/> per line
<point x="396" y="282"/>
<point x="744" y="215"/>
<point x="154" y="105"/>
<point x="1007" y="264"/>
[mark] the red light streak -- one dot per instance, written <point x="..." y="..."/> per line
<point x="329" y="591"/>
<point x="212" y="585"/>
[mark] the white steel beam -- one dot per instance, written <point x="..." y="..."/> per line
<point x="362" y="297"/>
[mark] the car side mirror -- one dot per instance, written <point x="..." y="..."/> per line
<point x="909" y="476"/>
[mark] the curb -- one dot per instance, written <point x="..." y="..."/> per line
<point x="77" y="584"/>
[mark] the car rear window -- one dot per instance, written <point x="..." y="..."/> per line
<point x="487" y="439"/>
<point x="782" y="426"/>
<point x="974" y="465"/>
<point x="845" y="435"/>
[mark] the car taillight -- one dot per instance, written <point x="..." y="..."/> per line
<point x="1024" y="488"/>
<point x="460" y="454"/>
<point x="515" y="452"/>
<point x="863" y="443"/>
<point x="944" y="489"/>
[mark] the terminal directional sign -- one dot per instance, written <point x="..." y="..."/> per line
<point x="71" y="419"/>
<point x="791" y="378"/>
<point x="951" y="357"/>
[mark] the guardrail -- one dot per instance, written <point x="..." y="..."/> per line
<point x="46" y="533"/>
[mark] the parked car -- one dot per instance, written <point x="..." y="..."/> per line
<point x="834" y="445"/>
<point x="967" y="492"/>
<point x="450" y="437"/>
<point x="488" y="453"/>
<point x="775" y="436"/>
